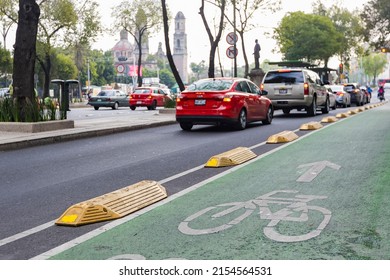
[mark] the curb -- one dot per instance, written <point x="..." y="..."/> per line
<point x="69" y="135"/>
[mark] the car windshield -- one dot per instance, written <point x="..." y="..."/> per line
<point x="210" y="85"/>
<point x="106" y="93"/>
<point x="142" y="90"/>
<point x="284" y="77"/>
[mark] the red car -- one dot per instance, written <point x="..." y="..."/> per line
<point x="149" y="97"/>
<point x="234" y="101"/>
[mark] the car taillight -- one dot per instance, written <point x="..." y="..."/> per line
<point x="150" y="96"/>
<point x="227" y="98"/>
<point x="306" y="89"/>
<point x="356" y="90"/>
<point x="340" y="94"/>
<point x="262" y="87"/>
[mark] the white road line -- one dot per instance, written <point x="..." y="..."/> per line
<point x="25" y="233"/>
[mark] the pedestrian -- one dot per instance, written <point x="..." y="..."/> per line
<point x="256" y="53"/>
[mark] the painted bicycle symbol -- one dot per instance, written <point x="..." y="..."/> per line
<point x="295" y="210"/>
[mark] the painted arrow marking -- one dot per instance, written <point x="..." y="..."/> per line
<point x="316" y="169"/>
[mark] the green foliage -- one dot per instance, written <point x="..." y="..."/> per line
<point x="376" y="15"/>
<point x="307" y="36"/>
<point x="33" y="111"/>
<point x="348" y="24"/>
<point x="167" y="78"/>
<point x="374" y="64"/>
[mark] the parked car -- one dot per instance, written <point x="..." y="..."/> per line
<point x="343" y="98"/>
<point x="386" y="85"/>
<point x="357" y="96"/>
<point x="367" y="96"/>
<point x="296" y="89"/>
<point x="109" y="98"/>
<point x="232" y="101"/>
<point x="149" y="97"/>
<point x="332" y="98"/>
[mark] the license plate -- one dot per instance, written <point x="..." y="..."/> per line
<point x="200" y="101"/>
<point x="99" y="100"/>
<point x="282" y="91"/>
<point x="139" y="102"/>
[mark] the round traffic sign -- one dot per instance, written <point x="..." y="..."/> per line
<point x="231" y="38"/>
<point x="231" y="52"/>
<point x="120" y="68"/>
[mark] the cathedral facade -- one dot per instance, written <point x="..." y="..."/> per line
<point x="126" y="54"/>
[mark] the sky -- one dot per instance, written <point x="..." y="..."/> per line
<point x="197" y="40"/>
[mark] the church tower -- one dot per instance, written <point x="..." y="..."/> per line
<point x="180" y="47"/>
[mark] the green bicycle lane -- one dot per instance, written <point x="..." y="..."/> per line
<point x="333" y="203"/>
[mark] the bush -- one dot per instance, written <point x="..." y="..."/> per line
<point x="33" y="111"/>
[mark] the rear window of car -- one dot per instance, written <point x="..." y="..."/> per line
<point x="142" y="90"/>
<point x="349" y="87"/>
<point x="289" y="77"/>
<point x="210" y="85"/>
<point x="106" y="93"/>
<point x="337" y="88"/>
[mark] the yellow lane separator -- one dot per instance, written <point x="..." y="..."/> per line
<point x="113" y="205"/>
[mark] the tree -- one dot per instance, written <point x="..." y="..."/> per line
<point x="8" y="17"/>
<point x="376" y="15"/>
<point x="5" y="64"/>
<point x="245" y="10"/>
<point x="168" y="47"/>
<point x="347" y="23"/>
<point x="198" y="69"/>
<point x="24" y="55"/>
<point x="139" y="18"/>
<point x="57" y="18"/>
<point x="307" y="36"/>
<point x="221" y="4"/>
<point x="374" y="64"/>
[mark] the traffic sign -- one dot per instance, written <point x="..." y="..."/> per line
<point x="231" y="38"/>
<point x="231" y="52"/>
<point x="120" y="68"/>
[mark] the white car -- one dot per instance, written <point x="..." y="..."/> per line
<point x="386" y="85"/>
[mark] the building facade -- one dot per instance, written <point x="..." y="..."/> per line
<point x="125" y="53"/>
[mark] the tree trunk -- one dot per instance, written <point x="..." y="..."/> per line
<point x="25" y="54"/>
<point x="168" y="48"/>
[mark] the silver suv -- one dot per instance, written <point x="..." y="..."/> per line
<point x="296" y="89"/>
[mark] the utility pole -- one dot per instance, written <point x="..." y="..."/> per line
<point x="235" y="35"/>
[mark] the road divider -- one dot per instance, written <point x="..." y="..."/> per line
<point x="330" y="119"/>
<point x="342" y="115"/>
<point x="233" y="157"/>
<point x="113" y="205"/>
<point x="282" y="137"/>
<point x="311" y="126"/>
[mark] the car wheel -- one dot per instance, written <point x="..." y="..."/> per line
<point x="326" y="109"/>
<point x="286" y="111"/>
<point x="312" y="110"/>
<point x="115" y="106"/>
<point x="242" y="121"/>
<point x="132" y="108"/>
<point x="186" y="126"/>
<point x="96" y="108"/>
<point x="269" y="117"/>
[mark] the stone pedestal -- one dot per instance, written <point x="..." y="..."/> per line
<point x="256" y="76"/>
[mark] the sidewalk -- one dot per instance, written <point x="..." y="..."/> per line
<point x="86" y="128"/>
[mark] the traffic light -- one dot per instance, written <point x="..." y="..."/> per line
<point x="385" y="50"/>
<point x="341" y="68"/>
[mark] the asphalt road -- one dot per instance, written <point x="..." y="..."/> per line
<point x="38" y="184"/>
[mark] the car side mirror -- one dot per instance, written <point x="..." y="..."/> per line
<point x="263" y="92"/>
